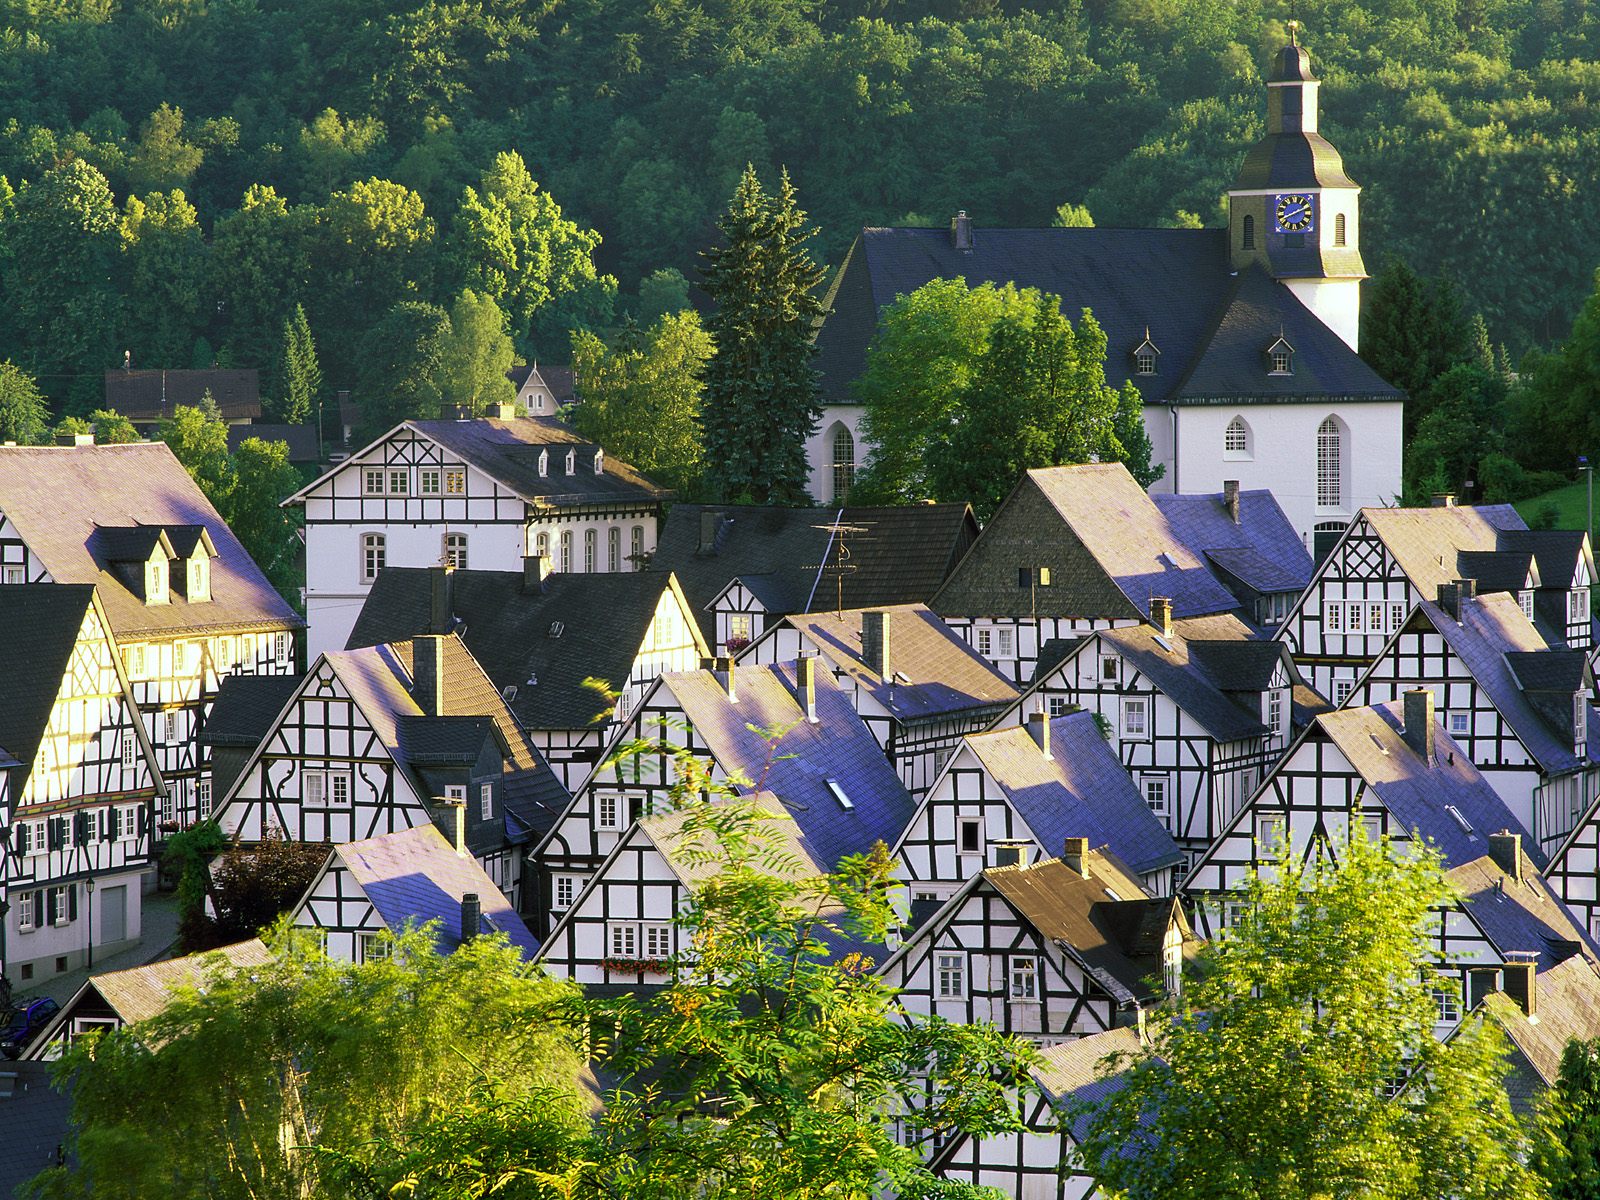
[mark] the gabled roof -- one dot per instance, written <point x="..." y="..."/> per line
<point x="415" y="876"/>
<point x="301" y="440"/>
<point x="1104" y="920"/>
<point x="147" y="396"/>
<point x="1499" y="570"/>
<point x="1567" y="1008"/>
<point x="143" y="992"/>
<point x="1263" y="553"/>
<point x="1510" y="660"/>
<point x="603" y="620"/>
<point x="508" y="450"/>
<point x="1420" y="794"/>
<point x="1425" y="542"/>
<point x="246" y="707"/>
<point x="1526" y="918"/>
<point x="797" y="770"/>
<point x="1211" y="324"/>
<point x="378" y="679"/>
<point x="41" y="621"/>
<point x="781" y="832"/>
<point x="1080" y="790"/>
<point x="61" y="499"/>
<point x="1071" y="1075"/>
<point x="933" y="671"/>
<point x="901" y="556"/>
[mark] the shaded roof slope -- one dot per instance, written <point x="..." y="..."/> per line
<point x="41" y="621"/>
<point x="1262" y="552"/>
<point x="58" y="497"/>
<point x="1567" y="1007"/>
<point x="1523" y="919"/>
<point x="245" y="708"/>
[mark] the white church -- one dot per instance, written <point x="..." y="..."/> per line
<point x="1242" y="341"/>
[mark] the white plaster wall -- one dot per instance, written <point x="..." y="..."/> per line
<point x="41" y="946"/>
<point x="1284" y="455"/>
<point x="1336" y="301"/>
<point x="819" y="448"/>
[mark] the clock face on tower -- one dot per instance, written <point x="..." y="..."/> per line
<point x="1293" y="213"/>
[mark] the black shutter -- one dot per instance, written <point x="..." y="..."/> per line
<point x="144" y="818"/>
<point x="41" y="914"/>
<point x="72" y="902"/>
<point x="108" y="825"/>
<point x="80" y="828"/>
<point x="53" y="825"/>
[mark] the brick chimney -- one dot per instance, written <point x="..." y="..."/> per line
<point x="1011" y="854"/>
<point x="1444" y="500"/>
<point x="875" y="644"/>
<point x="1480" y="982"/>
<point x="726" y="664"/>
<point x="1521" y="983"/>
<point x="1161" y="615"/>
<point x="1505" y="848"/>
<point x="1230" y="498"/>
<point x="457" y="808"/>
<point x="471" y="916"/>
<point x="1419" y="726"/>
<point x="1039" y="730"/>
<point x="441" y="597"/>
<point x="427" y="674"/>
<point x="1076" y="855"/>
<point x="806" y="682"/>
<point x="536" y="570"/>
<point x="961" y="232"/>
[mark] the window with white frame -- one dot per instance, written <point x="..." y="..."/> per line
<point x="455" y="481"/>
<point x="614" y="549"/>
<point x="16" y="575"/>
<point x="1580" y="722"/>
<point x="1025" y="978"/>
<point x="638" y="547"/>
<point x="565" y="891"/>
<point x="572" y="461"/>
<point x="60" y="901"/>
<point x="26" y="917"/>
<point x="1005" y="643"/>
<point x="608" y="811"/>
<point x="155" y="588"/>
<point x="566" y="550"/>
<point x="1446" y="995"/>
<point x="1460" y="723"/>
<point x="1577" y="605"/>
<point x="399" y="481"/>
<point x="1172" y="964"/>
<point x="169" y="808"/>
<point x="455" y="551"/>
<point x="1525" y="602"/>
<point x="1110" y="668"/>
<point x="1341" y="691"/>
<point x="1275" y="713"/>
<point x="544" y="463"/>
<point x="969" y="835"/>
<point x="339" y="789"/>
<point x="1155" y="788"/>
<point x="657" y="938"/>
<point x="128" y="744"/>
<point x="599" y="462"/>
<point x="1333" y="616"/>
<point x="951" y="970"/>
<point x="984" y="640"/>
<point x="128" y="820"/>
<point x="740" y="626"/>
<point x="169" y="725"/>
<point x="1135" y="718"/>
<point x="32" y="838"/>
<point x="199" y="585"/>
<point x="591" y="541"/>
<point x="1236" y="439"/>
<point x="202" y="797"/>
<point x="844" y="462"/>
<point x="372" y="481"/>
<point x="376" y="948"/>
<point x="372" y="554"/>
<point x="1270" y="832"/>
<point x="485" y="801"/>
<point x="1397" y="615"/>
<point x="1057" y="705"/>
<point x="430" y="481"/>
<point x="134" y="658"/>
<point x="1330" y="464"/>
<point x="314" y="788"/>
<point x="624" y="940"/>
<point x="1375" y="616"/>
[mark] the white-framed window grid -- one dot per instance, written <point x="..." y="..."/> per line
<point x="657" y="939"/>
<point x="591" y="542"/>
<point x="623" y="938"/>
<point x="1136" y="718"/>
<point x="1024" y="978"/>
<point x="372" y="556"/>
<point x="455" y="481"/>
<point x="430" y="481"/>
<point x="485" y="801"/>
<point x="1330" y="468"/>
<point x="614" y="549"/>
<point x="455" y="550"/>
<point x="951" y="972"/>
<point x="609" y="809"/>
<point x="1156" y="789"/>
<point x="638" y="547"/>
<point x="27" y="918"/>
<point x="564" y="891"/>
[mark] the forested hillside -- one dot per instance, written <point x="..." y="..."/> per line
<point x="376" y="125"/>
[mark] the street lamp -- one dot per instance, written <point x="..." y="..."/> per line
<point x="88" y="886"/>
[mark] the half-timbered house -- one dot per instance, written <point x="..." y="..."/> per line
<point x="622" y="929"/>
<point x="246" y="708"/>
<point x="1050" y="950"/>
<point x="374" y="888"/>
<point x="80" y="776"/>
<point x="1071" y="550"/>
<point x="787" y="729"/>
<point x="916" y="683"/>
<point x="1027" y="790"/>
<point x="482" y="493"/>
<point x="1523" y="711"/>
<point x="1390" y="559"/>
<point x="745" y="568"/>
<point x="1040" y="1162"/>
<point x="1539" y="1023"/>
<point x="116" y="999"/>
<point x="1197" y="711"/>
<point x="185" y="602"/>
<point x="382" y="739"/>
<point x="542" y="637"/>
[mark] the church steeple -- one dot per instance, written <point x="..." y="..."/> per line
<point x="1292" y="209"/>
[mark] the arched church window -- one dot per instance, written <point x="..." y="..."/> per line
<point x="1330" y="464"/>
<point x="1236" y="439"/>
<point x="1338" y="229"/>
<point x="1249" y="233"/>
<point x="844" y="462"/>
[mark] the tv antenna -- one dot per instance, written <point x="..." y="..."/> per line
<point x="837" y="559"/>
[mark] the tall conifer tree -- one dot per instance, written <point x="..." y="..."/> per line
<point x="761" y="399"/>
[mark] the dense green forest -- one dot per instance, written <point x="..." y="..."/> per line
<point x="346" y="154"/>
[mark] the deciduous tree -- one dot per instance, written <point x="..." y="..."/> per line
<point x="1566" y="1143"/>
<point x="478" y="355"/>
<point x="24" y="416"/>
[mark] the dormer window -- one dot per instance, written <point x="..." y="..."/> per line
<point x="572" y="462"/>
<point x="599" y="462"/>
<point x="198" y="585"/>
<point x="1525" y="601"/>
<point x="1144" y="355"/>
<point x="1580" y="724"/>
<point x="544" y="463"/>
<point x="1280" y="357"/>
<point x="155" y="582"/>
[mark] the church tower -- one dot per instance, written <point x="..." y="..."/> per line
<point x="1292" y="209"/>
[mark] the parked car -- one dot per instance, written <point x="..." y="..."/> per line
<point x="25" y="1022"/>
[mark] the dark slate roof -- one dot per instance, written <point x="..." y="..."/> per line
<point x="1117" y="939"/>
<point x="1555" y="551"/>
<point x="902" y="557"/>
<point x="1071" y="1074"/>
<point x="1567" y="1008"/>
<point x="1210" y="326"/>
<point x="41" y="621"/>
<point x="301" y="439"/>
<point x="1523" y="918"/>
<point x="443" y="741"/>
<point x="1419" y="794"/>
<point x="933" y="671"/>
<point x="35" y="1117"/>
<point x="1080" y="790"/>
<point x="415" y="876"/>
<point x="508" y="452"/>
<point x="838" y="746"/>
<point x="1510" y="661"/>
<point x="149" y="396"/>
<point x="604" y="619"/>
<point x="246" y="707"/>
<point x="1496" y="570"/>
<point x="1233" y="363"/>
<point x="128" y="543"/>
<point x="1262" y="552"/>
<point x="60" y="498"/>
